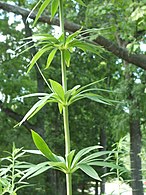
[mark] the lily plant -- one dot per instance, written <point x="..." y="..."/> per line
<point x="87" y="158"/>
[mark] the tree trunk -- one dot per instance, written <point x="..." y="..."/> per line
<point x="96" y="188"/>
<point x="104" y="169"/>
<point x="135" y="149"/>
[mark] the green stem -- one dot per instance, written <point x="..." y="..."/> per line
<point x="65" y="109"/>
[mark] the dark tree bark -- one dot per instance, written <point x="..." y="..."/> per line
<point x="135" y="135"/>
<point x="104" y="169"/>
<point x="96" y="188"/>
<point x="136" y="59"/>
<point x="135" y="149"/>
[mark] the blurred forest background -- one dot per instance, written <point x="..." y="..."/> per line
<point x="119" y="27"/>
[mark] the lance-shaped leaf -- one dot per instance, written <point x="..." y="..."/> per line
<point x="57" y="88"/>
<point x="81" y="2"/>
<point x="59" y="166"/>
<point x="84" y="46"/>
<point x="42" y="8"/>
<point x="83" y="152"/>
<point x="37" y="56"/>
<point x="105" y="164"/>
<point x="70" y="158"/>
<point x="27" y="173"/>
<point x="54" y="7"/>
<point x="94" y="156"/>
<point x="67" y="57"/>
<point x="72" y="36"/>
<point x="97" y="98"/>
<point x="89" y="171"/>
<point x="50" y="57"/>
<point x="42" y="146"/>
<point x="36" y="107"/>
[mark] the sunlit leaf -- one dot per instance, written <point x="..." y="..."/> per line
<point x="72" y="36"/>
<point x="54" y="7"/>
<point x="39" y="171"/>
<point x="81" y="2"/>
<point x="89" y="171"/>
<point x="37" y="56"/>
<point x="94" y="156"/>
<point x="70" y="158"/>
<point x="67" y="57"/>
<point x="60" y="106"/>
<point x="50" y="57"/>
<point x="57" y="88"/>
<point x="36" y="107"/>
<point x="60" y="165"/>
<point x="33" y="169"/>
<point x="97" y="98"/>
<point x="42" y="8"/>
<point x="83" y="152"/>
<point x="42" y="146"/>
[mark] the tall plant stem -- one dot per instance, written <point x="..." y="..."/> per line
<point x="65" y="109"/>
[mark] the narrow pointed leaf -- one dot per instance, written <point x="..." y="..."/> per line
<point x="42" y="8"/>
<point x="57" y="88"/>
<point x="60" y="106"/>
<point x="81" y="2"/>
<point x="37" y="56"/>
<point x="32" y="170"/>
<point x="89" y="171"/>
<point x="67" y="57"/>
<point x="72" y="36"/>
<point x="82" y="152"/>
<point x="41" y="170"/>
<point x="33" y="95"/>
<point x="54" y="7"/>
<point x="70" y="158"/>
<point x="95" y="156"/>
<point x="88" y="85"/>
<point x="60" y="165"/>
<point x="104" y="164"/>
<point x="42" y="146"/>
<point x="50" y="57"/>
<point x="36" y="107"/>
<point x="97" y="98"/>
<point x="33" y="8"/>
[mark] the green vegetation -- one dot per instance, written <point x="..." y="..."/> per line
<point x="88" y="72"/>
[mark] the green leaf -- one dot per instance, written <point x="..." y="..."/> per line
<point x="37" y="56"/>
<point x="33" y="169"/>
<point x="105" y="164"/>
<point x="33" y="8"/>
<point x="39" y="171"/>
<point x="42" y="8"/>
<point x="67" y="57"/>
<point x="57" y="88"/>
<point x="72" y="36"/>
<point x="59" y="165"/>
<point x="97" y="98"/>
<point x="95" y="155"/>
<point x="42" y="146"/>
<point x="89" y="171"/>
<point x="54" y="7"/>
<point x="88" y="85"/>
<point x="82" y="152"/>
<point x="50" y="57"/>
<point x="81" y="2"/>
<point x="84" y="46"/>
<point x="36" y="107"/>
<point x="60" y="106"/>
<point x="70" y="158"/>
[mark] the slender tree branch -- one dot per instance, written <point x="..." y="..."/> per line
<point x="136" y="59"/>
